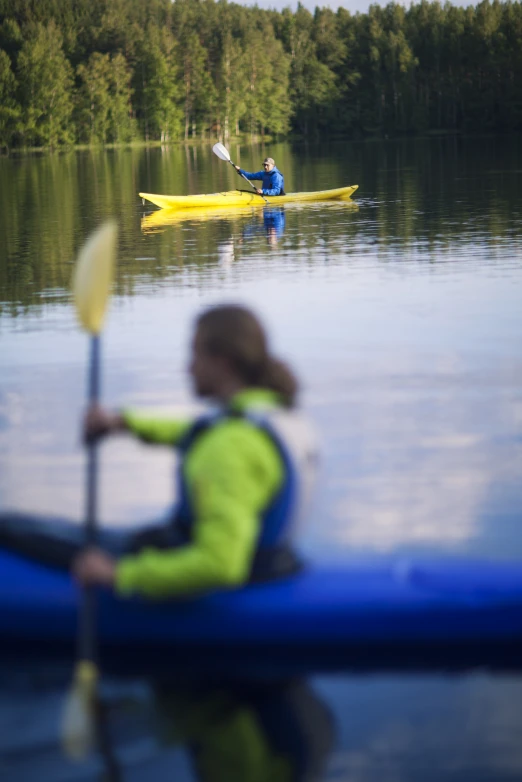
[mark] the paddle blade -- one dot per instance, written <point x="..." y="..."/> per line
<point x="79" y="718"/>
<point x="221" y="152"/>
<point x="93" y="276"/>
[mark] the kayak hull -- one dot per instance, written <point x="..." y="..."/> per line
<point x="244" y="198"/>
<point x="377" y="615"/>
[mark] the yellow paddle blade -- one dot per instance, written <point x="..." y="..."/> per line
<point x="79" y="719"/>
<point x="93" y="276"/>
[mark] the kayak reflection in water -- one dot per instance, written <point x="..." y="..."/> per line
<point x="249" y="732"/>
<point x="245" y="472"/>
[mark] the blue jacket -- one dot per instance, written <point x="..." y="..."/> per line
<point x="273" y="181"/>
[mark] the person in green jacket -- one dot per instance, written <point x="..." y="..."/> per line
<point x="241" y="468"/>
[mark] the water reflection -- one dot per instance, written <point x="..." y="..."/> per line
<point x="270" y="220"/>
<point x="159" y="220"/>
<point x="188" y="731"/>
<point x="426" y="199"/>
<point x="275" y="222"/>
<point x="333" y="729"/>
<point x="271" y="224"/>
<point x="226" y="254"/>
<point x="270" y="731"/>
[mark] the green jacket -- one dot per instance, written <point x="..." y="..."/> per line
<point x="233" y="471"/>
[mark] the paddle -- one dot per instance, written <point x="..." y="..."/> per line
<point x="223" y="153"/>
<point x="91" y="284"/>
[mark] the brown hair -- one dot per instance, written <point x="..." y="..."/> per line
<point x="235" y="333"/>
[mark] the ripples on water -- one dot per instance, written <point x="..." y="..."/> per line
<point x="401" y="312"/>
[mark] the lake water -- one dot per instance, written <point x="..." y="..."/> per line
<point x="402" y="314"/>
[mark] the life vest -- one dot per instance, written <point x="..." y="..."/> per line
<point x="294" y="439"/>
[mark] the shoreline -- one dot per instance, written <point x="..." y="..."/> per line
<point x="248" y="140"/>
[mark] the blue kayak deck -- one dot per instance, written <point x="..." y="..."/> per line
<point x="373" y="615"/>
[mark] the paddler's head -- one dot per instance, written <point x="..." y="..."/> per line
<point x="268" y="164"/>
<point x="230" y="354"/>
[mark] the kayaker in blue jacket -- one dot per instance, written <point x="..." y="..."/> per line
<point x="272" y="178"/>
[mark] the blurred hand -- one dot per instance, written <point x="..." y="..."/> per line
<point x="237" y="169"/>
<point x="258" y="191"/>
<point x="99" y="422"/>
<point x="94" y="567"/>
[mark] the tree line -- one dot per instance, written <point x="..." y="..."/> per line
<point x="114" y="71"/>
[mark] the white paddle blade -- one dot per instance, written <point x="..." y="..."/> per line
<point x="93" y="276"/>
<point x="221" y="152"/>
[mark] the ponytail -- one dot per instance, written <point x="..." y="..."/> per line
<point x="278" y="377"/>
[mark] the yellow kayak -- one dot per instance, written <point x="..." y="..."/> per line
<point x="244" y="198"/>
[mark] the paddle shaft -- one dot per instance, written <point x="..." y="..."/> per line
<point x="86" y="637"/>
<point x="249" y="182"/>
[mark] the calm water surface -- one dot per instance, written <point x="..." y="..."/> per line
<point x="402" y="313"/>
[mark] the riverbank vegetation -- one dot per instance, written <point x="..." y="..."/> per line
<point x="117" y="71"/>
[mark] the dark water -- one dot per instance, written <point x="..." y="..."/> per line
<point x="402" y="315"/>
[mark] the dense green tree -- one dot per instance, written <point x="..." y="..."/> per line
<point x="121" y="122"/>
<point x="208" y="68"/>
<point x="95" y="98"/>
<point x="312" y="82"/>
<point x="10" y="111"/>
<point x="268" y="106"/>
<point x="199" y="93"/>
<point x="45" y="77"/>
<point x="160" y="86"/>
<point x="232" y="85"/>
<point x="11" y="38"/>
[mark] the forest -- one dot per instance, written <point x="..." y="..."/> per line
<point x="98" y="72"/>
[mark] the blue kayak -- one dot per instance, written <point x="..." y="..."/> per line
<point x="373" y="615"/>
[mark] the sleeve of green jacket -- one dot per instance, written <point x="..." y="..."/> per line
<point x="151" y="429"/>
<point x="232" y="472"/>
